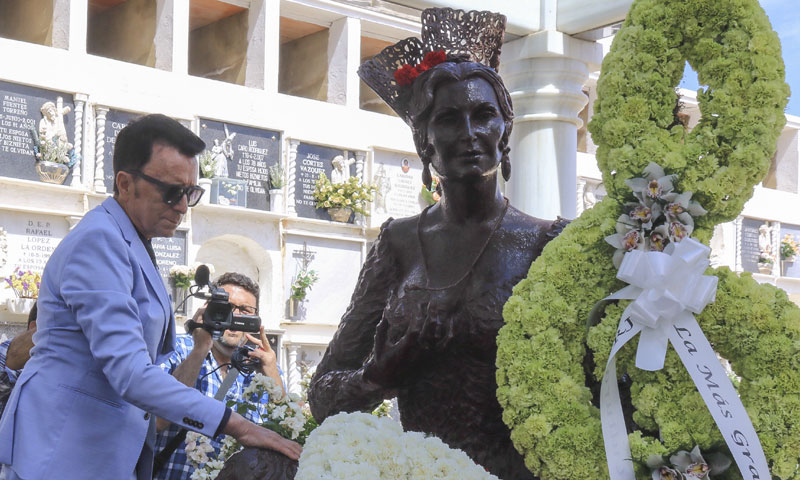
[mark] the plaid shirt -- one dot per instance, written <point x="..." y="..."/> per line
<point x="178" y="466"/>
<point x="8" y="377"/>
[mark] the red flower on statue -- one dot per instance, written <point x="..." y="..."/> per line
<point x="405" y="75"/>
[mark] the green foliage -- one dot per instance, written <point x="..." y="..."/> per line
<point x="276" y="179"/>
<point x="545" y="377"/>
<point x="302" y="284"/>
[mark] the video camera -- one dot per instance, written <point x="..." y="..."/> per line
<point x="219" y="315"/>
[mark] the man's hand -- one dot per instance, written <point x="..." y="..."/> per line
<point x="251" y="435"/>
<point x="19" y="350"/>
<point x="265" y="353"/>
<point x="202" y="338"/>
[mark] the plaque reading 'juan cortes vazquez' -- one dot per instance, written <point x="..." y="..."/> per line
<point x="311" y="161"/>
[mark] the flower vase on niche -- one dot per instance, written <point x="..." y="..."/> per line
<point x="206" y="184"/>
<point x="25" y="285"/>
<point x="789" y="251"/>
<point x="276" y="182"/>
<point x="300" y="286"/>
<point x="340" y="214"/>
<point x="343" y="198"/>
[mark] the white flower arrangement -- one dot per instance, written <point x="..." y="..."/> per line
<point x="182" y="275"/>
<point x="355" y="446"/>
<point x="285" y="416"/>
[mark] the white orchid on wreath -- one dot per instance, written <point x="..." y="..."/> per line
<point x="688" y="465"/>
<point x="657" y="217"/>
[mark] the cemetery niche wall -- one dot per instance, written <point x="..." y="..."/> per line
<point x="245" y="154"/>
<point x="29" y="117"/>
<point x="115" y="120"/>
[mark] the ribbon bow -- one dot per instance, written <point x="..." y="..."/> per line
<point x="664" y="285"/>
<point x="667" y="289"/>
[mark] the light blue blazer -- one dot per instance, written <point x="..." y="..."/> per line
<point x="80" y="408"/>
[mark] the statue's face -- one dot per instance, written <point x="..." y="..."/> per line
<point x="465" y="128"/>
<point x="50" y="112"/>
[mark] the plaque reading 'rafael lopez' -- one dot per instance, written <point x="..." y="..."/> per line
<point x="245" y="153"/>
<point x="21" y="113"/>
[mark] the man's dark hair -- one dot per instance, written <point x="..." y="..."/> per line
<point x="233" y="278"/>
<point x="134" y="144"/>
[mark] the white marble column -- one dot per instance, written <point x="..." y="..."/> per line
<point x="80" y="106"/>
<point x="545" y="73"/>
<point x="292" y="371"/>
<point x="344" y="47"/>
<point x="70" y="20"/>
<point x="171" y="38"/>
<point x="255" y="66"/>
<point x="100" y="149"/>
<point x="291" y="175"/>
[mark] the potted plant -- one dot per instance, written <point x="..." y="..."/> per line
<point x="276" y="183"/>
<point x="789" y="250"/>
<point x="54" y="158"/>
<point x="765" y="263"/>
<point x="25" y="285"/>
<point x="300" y="286"/>
<point x="341" y="199"/>
<point x="208" y="165"/>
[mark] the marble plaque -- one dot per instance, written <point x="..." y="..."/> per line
<point x="749" y="244"/>
<point x="30" y="240"/>
<point x="337" y="264"/>
<point x="791" y="269"/>
<point x="311" y="161"/>
<point x="170" y="251"/>
<point x="116" y="120"/>
<point x="245" y="153"/>
<point x="398" y="177"/>
<point x="20" y="118"/>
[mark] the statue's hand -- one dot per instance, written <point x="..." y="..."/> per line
<point x="392" y="362"/>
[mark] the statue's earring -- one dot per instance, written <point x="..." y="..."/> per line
<point x="427" y="180"/>
<point x="505" y="164"/>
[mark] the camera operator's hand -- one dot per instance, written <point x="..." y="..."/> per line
<point x="264" y="352"/>
<point x="202" y="338"/>
<point x="251" y="435"/>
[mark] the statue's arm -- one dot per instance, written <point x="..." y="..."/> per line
<point x="338" y="384"/>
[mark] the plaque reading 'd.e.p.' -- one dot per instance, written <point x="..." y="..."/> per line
<point x="30" y="240"/>
<point x="311" y="161"/>
<point x="398" y="177"/>
<point x="116" y="120"/>
<point x="244" y="153"/>
<point x="750" y="250"/>
<point x="27" y="111"/>
<point x="170" y="251"/>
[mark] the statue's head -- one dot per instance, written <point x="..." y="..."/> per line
<point x="456" y="74"/>
<point x="49" y="110"/>
<point x="338" y="162"/>
<point x="455" y="48"/>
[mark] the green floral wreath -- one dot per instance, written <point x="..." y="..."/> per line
<point x="549" y="367"/>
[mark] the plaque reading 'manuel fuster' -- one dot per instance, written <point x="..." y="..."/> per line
<point x="27" y="111"/>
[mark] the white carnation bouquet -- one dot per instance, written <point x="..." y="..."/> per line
<point x="360" y="446"/>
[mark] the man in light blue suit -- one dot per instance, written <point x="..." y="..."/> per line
<point x="85" y="403"/>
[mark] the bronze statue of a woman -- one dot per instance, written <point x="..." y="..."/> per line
<point x="422" y="322"/>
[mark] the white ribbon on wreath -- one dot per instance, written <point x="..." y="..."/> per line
<point x="667" y="288"/>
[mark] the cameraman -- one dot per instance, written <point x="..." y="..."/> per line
<point x="201" y="362"/>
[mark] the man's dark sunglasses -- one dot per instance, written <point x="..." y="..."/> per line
<point x="170" y="193"/>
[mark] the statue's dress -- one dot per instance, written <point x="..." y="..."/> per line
<point x="452" y="393"/>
